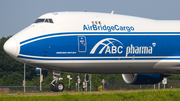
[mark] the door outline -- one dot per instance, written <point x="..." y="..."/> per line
<point x="80" y="45"/>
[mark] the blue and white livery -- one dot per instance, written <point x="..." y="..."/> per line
<point x="87" y="42"/>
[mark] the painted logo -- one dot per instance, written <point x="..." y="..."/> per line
<point x="114" y="46"/>
<point x="108" y="46"/>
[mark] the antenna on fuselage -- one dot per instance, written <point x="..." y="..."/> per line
<point x="112" y="12"/>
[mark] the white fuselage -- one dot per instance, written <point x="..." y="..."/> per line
<point x="136" y="45"/>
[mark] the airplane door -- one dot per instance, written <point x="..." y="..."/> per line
<point x="82" y="44"/>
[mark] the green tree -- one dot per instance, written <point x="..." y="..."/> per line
<point x="11" y="70"/>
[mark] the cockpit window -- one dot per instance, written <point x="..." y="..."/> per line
<point x="39" y="20"/>
<point x="50" y="20"/>
<point x="44" y="20"/>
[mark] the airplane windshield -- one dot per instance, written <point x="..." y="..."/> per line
<point x="39" y="20"/>
<point x="44" y="20"/>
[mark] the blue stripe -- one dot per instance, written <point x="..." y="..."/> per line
<point x="100" y="58"/>
<point x="99" y="33"/>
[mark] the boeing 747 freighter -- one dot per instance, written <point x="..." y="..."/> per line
<point x="141" y="49"/>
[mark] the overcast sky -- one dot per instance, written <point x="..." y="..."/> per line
<point x="15" y="15"/>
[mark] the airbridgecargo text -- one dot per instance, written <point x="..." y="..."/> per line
<point x="108" y="28"/>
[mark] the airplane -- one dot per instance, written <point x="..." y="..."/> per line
<point x="142" y="50"/>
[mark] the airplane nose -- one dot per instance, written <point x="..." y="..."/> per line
<point x="11" y="47"/>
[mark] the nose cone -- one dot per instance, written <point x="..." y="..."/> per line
<point x="11" y="47"/>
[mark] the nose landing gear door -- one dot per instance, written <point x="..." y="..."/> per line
<point x="82" y="44"/>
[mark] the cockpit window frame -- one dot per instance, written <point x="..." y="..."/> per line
<point x="45" y="20"/>
<point x="51" y="21"/>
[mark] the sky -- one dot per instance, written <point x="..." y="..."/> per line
<point x="16" y="15"/>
